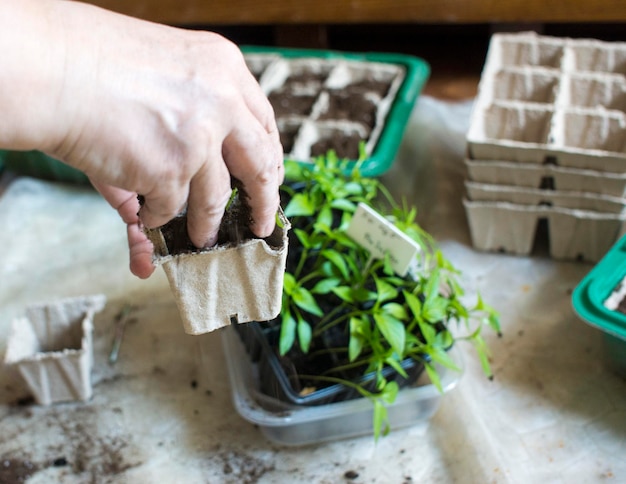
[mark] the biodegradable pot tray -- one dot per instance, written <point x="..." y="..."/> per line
<point x="51" y="348"/>
<point x="599" y="300"/>
<point x="334" y="100"/>
<point x="546" y="177"/>
<point x="537" y="196"/>
<point x="548" y="127"/>
<point x="231" y="282"/>
<point x="551" y="99"/>
<point x="292" y="425"/>
<point x="583" y="235"/>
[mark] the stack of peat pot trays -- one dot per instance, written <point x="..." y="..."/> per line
<point x="547" y="140"/>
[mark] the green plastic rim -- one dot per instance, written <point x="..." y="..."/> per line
<point x="589" y="295"/>
<point x="40" y="165"/>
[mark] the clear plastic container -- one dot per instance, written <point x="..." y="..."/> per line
<point x="290" y="425"/>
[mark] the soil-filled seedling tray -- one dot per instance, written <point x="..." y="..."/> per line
<point x="293" y="425"/>
<point x="600" y="300"/>
<point x="328" y="100"/>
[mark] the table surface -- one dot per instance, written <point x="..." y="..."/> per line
<point x="163" y="411"/>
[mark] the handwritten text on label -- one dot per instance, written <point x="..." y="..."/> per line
<point x="379" y="236"/>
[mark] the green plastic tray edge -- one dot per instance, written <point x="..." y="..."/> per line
<point x="417" y="73"/>
<point x="588" y="296"/>
<point x="40" y="165"/>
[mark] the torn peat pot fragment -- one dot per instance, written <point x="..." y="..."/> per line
<point x="239" y="279"/>
<point x="51" y="347"/>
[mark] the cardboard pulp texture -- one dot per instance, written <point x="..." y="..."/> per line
<point x="550" y="115"/>
<point x="537" y="196"/>
<point x="224" y="284"/>
<point x="303" y="91"/>
<point x="547" y="177"/>
<point x="574" y="234"/>
<point x="51" y="347"/>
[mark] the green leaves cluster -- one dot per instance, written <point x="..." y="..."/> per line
<point x="333" y="283"/>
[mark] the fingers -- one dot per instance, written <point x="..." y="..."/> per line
<point x="209" y="193"/>
<point x="123" y="201"/>
<point x="255" y="158"/>
<point x="166" y="200"/>
<point x="140" y="252"/>
<point x="139" y="246"/>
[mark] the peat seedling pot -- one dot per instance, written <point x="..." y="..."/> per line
<point x="238" y="280"/>
<point x="51" y="347"/>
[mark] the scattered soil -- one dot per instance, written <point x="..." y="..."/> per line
<point x="307" y="79"/>
<point x="350" y="106"/>
<point x="15" y="470"/>
<point x="241" y="468"/>
<point x="288" y="135"/>
<point x="351" y="475"/>
<point x="286" y="103"/>
<point x="621" y="307"/>
<point x="369" y="84"/>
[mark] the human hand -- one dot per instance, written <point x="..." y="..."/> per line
<point x="167" y="113"/>
<point x="139" y="246"/>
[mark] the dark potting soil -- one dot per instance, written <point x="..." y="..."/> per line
<point x="350" y="106"/>
<point x="346" y="145"/>
<point x="288" y="135"/>
<point x="355" y="102"/>
<point x="621" y="307"/>
<point x="307" y="78"/>
<point x="287" y="103"/>
<point x="369" y="84"/>
<point x="234" y="227"/>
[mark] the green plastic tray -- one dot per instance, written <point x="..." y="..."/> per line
<point x="417" y="72"/>
<point x="588" y="301"/>
<point x="40" y="165"/>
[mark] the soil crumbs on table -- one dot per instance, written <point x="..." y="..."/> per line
<point x="83" y="451"/>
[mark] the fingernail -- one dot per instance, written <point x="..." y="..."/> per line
<point x="211" y="241"/>
<point x="264" y="230"/>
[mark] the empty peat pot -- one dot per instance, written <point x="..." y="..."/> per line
<point x="51" y="347"/>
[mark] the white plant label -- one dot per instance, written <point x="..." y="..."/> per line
<point x="379" y="236"/>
